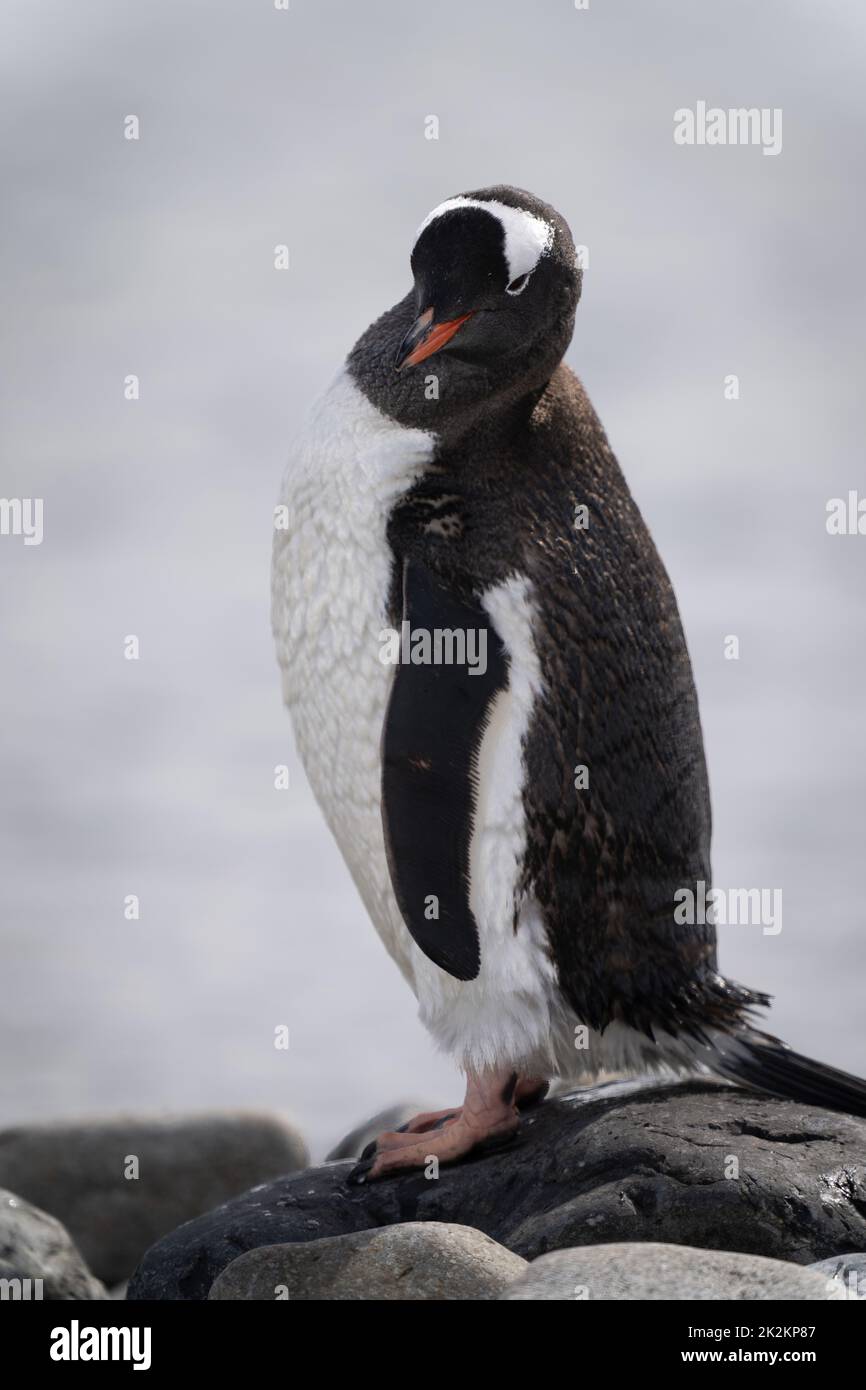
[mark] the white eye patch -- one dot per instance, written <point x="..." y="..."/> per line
<point x="527" y="237"/>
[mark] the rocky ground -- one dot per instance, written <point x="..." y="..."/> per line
<point x="636" y="1190"/>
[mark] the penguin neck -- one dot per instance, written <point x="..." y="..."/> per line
<point x="445" y="395"/>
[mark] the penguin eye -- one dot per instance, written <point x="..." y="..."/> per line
<point x="519" y="285"/>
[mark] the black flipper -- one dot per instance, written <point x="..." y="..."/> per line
<point x="757" y="1059"/>
<point x="433" y="728"/>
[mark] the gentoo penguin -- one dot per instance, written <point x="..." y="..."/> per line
<point x="493" y="700"/>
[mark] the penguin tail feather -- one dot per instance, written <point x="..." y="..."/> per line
<point x="757" y="1059"/>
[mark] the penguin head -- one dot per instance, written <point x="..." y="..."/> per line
<point x="496" y="282"/>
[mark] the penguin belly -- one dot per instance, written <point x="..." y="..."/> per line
<point x="330" y="579"/>
<point x="332" y="572"/>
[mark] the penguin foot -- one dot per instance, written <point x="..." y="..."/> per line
<point x="531" y="1091"/>
<point x="488" y="1117"/>
<point x="430" y="1119"/>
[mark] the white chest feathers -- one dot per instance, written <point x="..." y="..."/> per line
<point x="330" y="582"/>
<point x="331" y="576"/>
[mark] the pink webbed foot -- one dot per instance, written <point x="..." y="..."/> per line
<point x="430" y="1119"/>
<point x="488" y="1117"/>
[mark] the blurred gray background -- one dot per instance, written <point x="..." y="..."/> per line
<point x="155" y="777"/>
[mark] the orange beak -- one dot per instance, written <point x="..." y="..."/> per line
<point x="426" y="337"/>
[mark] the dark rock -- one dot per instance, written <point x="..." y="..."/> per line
<point x="186" y="1165"/>
<point x="692" y="1163"/>
<point x="351" y="1144"/>
<point x="416" y="1261"/>
<point x="38" y="1260"/>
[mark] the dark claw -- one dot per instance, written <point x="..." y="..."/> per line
<point x="369" y="1150"/>
<point x="535" y="1099"/>
<point x="358" y="1175"/>
<point x="403" y="1129"/>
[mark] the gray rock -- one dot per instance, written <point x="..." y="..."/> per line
<point x="628" y="1272"/>
<point x="691" y="1163"/>
<point x="186" y="1166"/>
<point x="415" y="1261"/>
<point x="350" y="1145"/>
<point x="847" y="1270"/>
<point x="38" y="1260"/>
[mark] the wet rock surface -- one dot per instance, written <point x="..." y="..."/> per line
<point x="690" y="1163"/>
